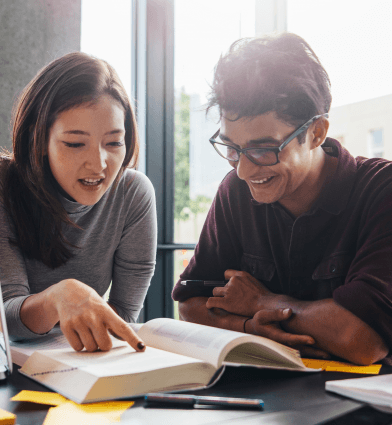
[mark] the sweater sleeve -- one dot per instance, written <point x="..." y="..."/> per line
<point x="134" y="259"/>
<point x="13" y="277"/>
<point x="367" y="291"/>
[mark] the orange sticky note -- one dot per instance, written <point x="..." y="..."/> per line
<point x="39" y="397"/>
<point x="332" y="366"/>
<point x="7" y="418"/>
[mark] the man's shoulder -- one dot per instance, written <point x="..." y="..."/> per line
<point x="373" y="171"/>
<point x="373" y="183"/>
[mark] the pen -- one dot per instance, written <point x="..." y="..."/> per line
<point x="204" y="282"/>
<point x="159" y="399"/>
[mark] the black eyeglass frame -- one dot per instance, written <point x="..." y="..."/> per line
<point x="275" y="150"/>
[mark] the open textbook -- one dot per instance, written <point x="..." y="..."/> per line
<point x="179" y="356"/>
<point x="375" y="390"/>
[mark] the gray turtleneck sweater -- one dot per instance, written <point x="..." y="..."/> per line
<point x="118" y="245"/>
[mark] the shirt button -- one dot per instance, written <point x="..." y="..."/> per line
<point x="332" y="268"/>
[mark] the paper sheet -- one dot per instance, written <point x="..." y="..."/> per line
<point x="67" y="412"/>
<point x="7" y="418"/>
<point x="332" y="366"/>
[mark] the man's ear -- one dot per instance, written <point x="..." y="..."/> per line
<point x="318" y="132"/>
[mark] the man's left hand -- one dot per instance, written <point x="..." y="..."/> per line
<point x="243" y="294"/>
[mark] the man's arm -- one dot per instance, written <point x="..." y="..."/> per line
<point x="265" y="324"/>
<point x="335" y="329"/>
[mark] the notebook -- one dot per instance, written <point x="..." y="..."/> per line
<point x="5" y="350"/>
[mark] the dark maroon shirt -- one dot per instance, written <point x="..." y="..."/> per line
<point x="340" y="249"/>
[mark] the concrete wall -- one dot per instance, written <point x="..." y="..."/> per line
<point x="32" y="33"/>
<point x="353" y="123"/>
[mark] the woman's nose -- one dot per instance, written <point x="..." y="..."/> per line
<point x="96" y="160"/>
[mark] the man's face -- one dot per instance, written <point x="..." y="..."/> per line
<point x="286" y="181"/>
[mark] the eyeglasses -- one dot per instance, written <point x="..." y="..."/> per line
<point x="259" y="156"/>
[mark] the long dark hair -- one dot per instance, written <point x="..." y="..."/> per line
<point x="28" y="192"/>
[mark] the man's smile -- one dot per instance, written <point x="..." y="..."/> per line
<point x="261" y="180"/>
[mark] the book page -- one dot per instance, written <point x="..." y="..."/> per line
<point x="121" y="360"/>
<point x="374" y="383"/>
<point x="53" y="340"/>
<point x="374" y="390"/>
<point x="214" y="344"/>
<point x="190" y="339"/>
<point x="22" y="350"/>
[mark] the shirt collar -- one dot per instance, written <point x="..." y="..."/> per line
<point x="337" y="188"/>
<point x="73" y="207"/>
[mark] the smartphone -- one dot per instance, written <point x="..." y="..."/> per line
<point x="204" y="282"/>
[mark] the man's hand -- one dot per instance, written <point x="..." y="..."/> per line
<point x="86" y="319"/>
<point x="266" y="323"/>
<point x="243" y="294"/>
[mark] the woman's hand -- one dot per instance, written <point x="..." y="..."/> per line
<point x="86" y="319"/>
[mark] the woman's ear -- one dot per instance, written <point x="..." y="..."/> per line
<point x="319" y="132"/>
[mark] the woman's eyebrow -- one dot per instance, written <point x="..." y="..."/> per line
<point x="86" y="133"/>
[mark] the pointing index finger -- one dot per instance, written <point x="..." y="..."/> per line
<point x="120" y="328"/>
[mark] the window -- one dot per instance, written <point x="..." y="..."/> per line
<point x="203" y="31"/>
<point x="106" y="33"/>
<point x="354" y="44"/>
<point x="376" y="144"/>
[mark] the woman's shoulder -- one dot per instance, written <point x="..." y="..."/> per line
<point x="5" y="164"/>
<point x="136" y="182"/>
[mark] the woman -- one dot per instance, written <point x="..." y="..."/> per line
<point x="73" y="217"/>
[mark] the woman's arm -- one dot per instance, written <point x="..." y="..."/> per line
<point x="85" y="318"/>
<point x="134" y="259"/>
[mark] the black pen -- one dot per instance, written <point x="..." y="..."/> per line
<point x="204" y="282"/>
<point x="161" y="400"/>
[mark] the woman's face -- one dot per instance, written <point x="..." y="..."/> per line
<point x="86" y="149"/>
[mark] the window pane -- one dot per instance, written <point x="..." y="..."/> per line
<point x="106" y="34"/>
<point x="203" y="31"/>
<point x="354" y="45"/>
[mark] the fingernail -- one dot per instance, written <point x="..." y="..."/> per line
<point x="140" y="345"/>
<point x="286" y="311"/>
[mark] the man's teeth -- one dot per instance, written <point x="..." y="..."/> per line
<point x="262" y="180"/>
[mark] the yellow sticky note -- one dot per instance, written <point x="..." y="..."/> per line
<point x="7" y="418"/>
<point x="67" y="414"/>
<point x="93" y="413"/>
<point x="112" y="407"/>
<point x="40" y="397"/>
<point x="332" y="366"/>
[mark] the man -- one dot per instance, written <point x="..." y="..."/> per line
<point x="301" y="230"/>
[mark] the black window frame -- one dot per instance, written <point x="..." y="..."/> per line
<point x="153" y="91"/>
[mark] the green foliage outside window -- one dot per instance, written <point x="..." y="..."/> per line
<point x="183" y="204"/>
<point x="181" y="158"/>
